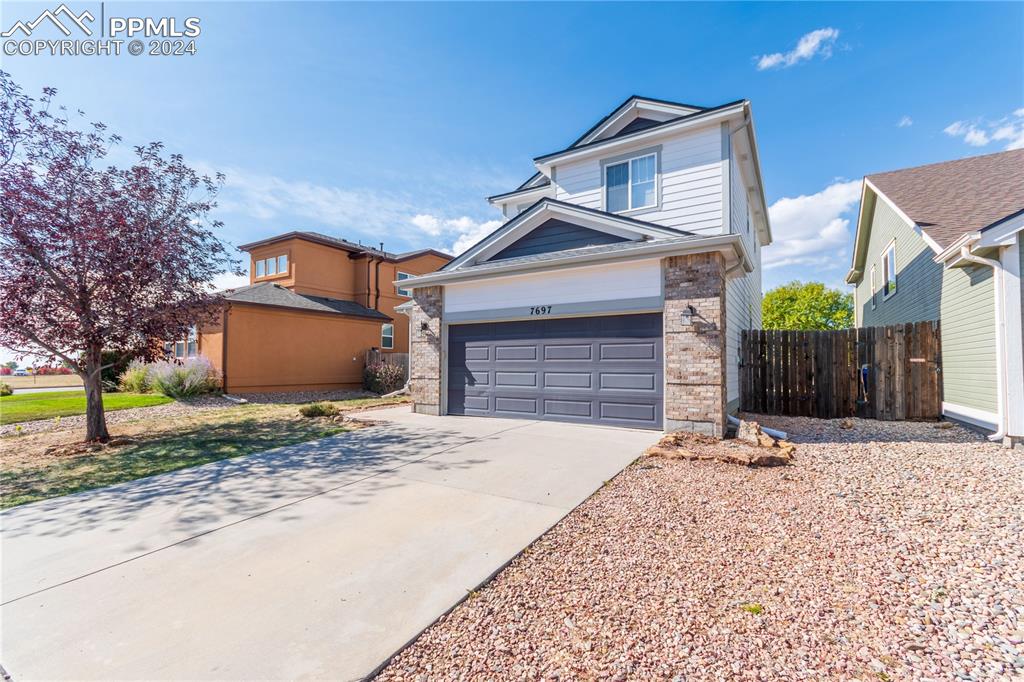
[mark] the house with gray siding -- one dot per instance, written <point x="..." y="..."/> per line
<point x="616" y="290"/>
<point x="944" y="242"/>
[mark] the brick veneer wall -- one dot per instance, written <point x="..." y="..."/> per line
<point x="425" y="351"/>
<point x="695" y="354"/>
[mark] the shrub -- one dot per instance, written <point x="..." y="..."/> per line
<point x="318" y="410"/>
<point x="110" y="376"/>
<point x="5" y="388"/>
<point x="380" y="377"/>
<point x="188" y="379"/>
<point x="135" y="378"/>
<point x="6" y="371"/>
<point x="51" y="371"/>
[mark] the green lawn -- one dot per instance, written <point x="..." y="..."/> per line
<point x="49" y="404"/>
<point x="234" y="435"/>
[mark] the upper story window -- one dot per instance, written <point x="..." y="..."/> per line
<point x="631" y="184"/>
<point x="268" y="267"/>
<point x="403" y="292"/>
<point x="889" y="270"/>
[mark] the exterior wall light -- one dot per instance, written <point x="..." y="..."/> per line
<point x="686" y="319"/>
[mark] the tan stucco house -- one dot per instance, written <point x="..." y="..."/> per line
<point x="314" y="305"/>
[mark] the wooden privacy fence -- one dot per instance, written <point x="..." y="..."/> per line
<point x="401" y="359"/>
<point x="888" y="373"/>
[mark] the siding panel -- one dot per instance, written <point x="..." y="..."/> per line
<point x="691" y="183"/>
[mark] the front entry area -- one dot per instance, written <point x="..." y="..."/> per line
<point x="601" y="370"/>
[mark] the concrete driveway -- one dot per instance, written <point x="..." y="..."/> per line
<point x="315" y="561"/>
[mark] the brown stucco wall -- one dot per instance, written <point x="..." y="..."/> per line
<point x="275" y="349"/>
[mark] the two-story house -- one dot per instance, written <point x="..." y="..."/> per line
<point x="314" y="305"/>
<point x="946" y="242"/>
<point x="616" y="291"/>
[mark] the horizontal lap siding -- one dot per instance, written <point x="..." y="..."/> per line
<point x="743" y="294"/>
<point x="968" y="338"/>
<point x="918" y="277"/>
<point x="691" y="182"/>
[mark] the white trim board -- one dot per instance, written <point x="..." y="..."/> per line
<point x="971" y="415"/>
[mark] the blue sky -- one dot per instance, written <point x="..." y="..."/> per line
<point x="392" y="122"/>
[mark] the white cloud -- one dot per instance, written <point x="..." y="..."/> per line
<point x="818" y="42"/>
<point x="813" y="229"/>
<point x="905" y="122"/>
<point x="463" y="231"/>
<point x="1009" y="130"/>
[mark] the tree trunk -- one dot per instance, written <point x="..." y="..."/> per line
<point x="95" y="419"/>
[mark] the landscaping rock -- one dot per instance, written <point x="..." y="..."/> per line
<point x="890" y="550"/>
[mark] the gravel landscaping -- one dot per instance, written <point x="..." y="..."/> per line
<point x="884" y="551"/>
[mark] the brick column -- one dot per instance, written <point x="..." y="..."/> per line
<point x="425" y="351"/>
<point x="695" y="353"/>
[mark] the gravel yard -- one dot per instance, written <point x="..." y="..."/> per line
<point x="886" y="551"/>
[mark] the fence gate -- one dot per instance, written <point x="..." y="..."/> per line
<point x="888" y="373"/>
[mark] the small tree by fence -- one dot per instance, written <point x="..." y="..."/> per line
<point x="887" y="373"/>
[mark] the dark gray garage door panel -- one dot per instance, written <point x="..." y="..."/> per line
<point x="604" y="370"/>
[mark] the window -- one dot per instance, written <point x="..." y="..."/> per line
<point x="631" y="184"/>
<point x="189" y="346"/>
<point x="874" y="287"/>
<point x="268" y="267"/>
<point x="889" y="270"/>
<point x="404" y="292"/>
<point x="387" y="336"/>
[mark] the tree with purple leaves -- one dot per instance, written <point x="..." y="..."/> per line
<point x="95" y="257"/>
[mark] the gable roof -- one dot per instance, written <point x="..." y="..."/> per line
<point x="579" y="145"/>
<point x="270" y="294"/>
<point x="343" y="244"/>
<point x="949" y="199"/>
<point x="544" y="208"/>
<point x="537" y="179"/>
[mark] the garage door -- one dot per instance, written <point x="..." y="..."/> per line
<point x="602" y="370"/>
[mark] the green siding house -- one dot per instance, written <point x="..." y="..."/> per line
<point x="946" y="242"/>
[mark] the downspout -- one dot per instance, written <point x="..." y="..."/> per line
<point x="376" y="286"/>
<point x="224" y="351"/>
<point x="369" y="259"/>
<point x="997" y="284"/>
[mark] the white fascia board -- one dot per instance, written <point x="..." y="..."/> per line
<point x="856" y="273"/>
<point x="603" y="147"/>
<point x="932" y="244"/>
<point x="951" y="255"/>
<point x="1002" y="233"/>
<point x="636" y="105"/>
<point x="730" y="245"/>
<point x="521" y="194"/>
<point x="756" y="162"/>
<point x="533" y="217"/>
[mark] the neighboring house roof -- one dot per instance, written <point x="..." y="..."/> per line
<point x="270" y="294"/>
<point x="947" y="200"/>
<point x="344" y="244"/>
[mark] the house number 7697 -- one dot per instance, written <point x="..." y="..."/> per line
<point x="540" y="310"/>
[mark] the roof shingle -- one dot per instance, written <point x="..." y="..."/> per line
<point x="267" y="293"/>
<point x="950" y="199"/>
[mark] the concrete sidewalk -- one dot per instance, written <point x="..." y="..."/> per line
<point x="315" y="561"/>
